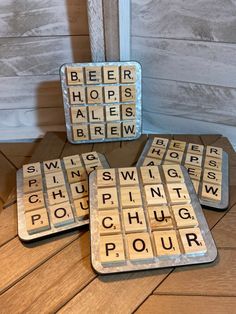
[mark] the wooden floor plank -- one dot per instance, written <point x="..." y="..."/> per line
<point x="8" y="225"/>
<point x="7" y="177"/>
<point x="15" y="149"/>
<point x="217" y="278"/>
<point x="184" y="304"/>
<point x="209" y="139"/>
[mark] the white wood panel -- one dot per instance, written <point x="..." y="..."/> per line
<point x="43" y="18"/>
<point x="189" y="61"/>
<point x="195" y="101"/>
<point x="41" y="55"/>
<point x="211" y="20"/>
<point x="124" y="29"/>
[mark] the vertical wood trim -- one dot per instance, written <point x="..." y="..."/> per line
<point x="111" y="29"/>
<point x="124" y="29"/>
<point x="96" y="29"/>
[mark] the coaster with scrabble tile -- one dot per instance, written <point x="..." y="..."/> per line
<point x="53" y="196"/>
<point x="206" y="165"/>
<point x="102" y="101"/>
<point x="145" y="218"/>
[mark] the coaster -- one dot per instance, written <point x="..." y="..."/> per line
<point x="52" y="196"/>
<point x="141" y="219"/>
<point x="207" y="167"/>
<point x="102" y="101"/>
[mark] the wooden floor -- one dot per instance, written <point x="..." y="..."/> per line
<point x="55" y="274"/>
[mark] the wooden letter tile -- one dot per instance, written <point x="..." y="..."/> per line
<point x="54" y="179"/>
<point x="150" y="175"/>
<point x="90" y="158"/>
<point x="37" y="221"/>
<point x="107" y="198"/>
<point x="177" y="145"/>
<point x="213" y="163"/>
<point x="77" y="95"/>
<point x="128" y="111"/>
<point x="82" y="208"/>
<point x="159" y="217"/>
<point x="130" y="196"/>
<point x="94" y="95"/>
<point x="152" y="162"/>
<point x="160" y="142"/>
<point x="215" y="152"/>
<point x="32" y="184"/>
<point x="129" y="128"/>
<point x="106" y="177"/>
<point x="72" y="161"/>
<point x="76" y="174"/>
<point x="80" y="132"/>
<point x="111" y="74"/>
<point x="195" y="149"/>
<point x="212" y="176"/>
<point x="112" y="112"/>
<point x="111" y="94"/>
<point x="173" y="173"/>
<point x="155" y="194"/>
<point x="185" y="216"/>
<point x="156" y="152"/>
<point x="79" y="114"/>
<point x="91" y="167"/>
<point x="134" y="220"/>
<point x="93" y="75"/>
<point x="194" y="172"/>
<point x="33" y="201"/>
<point x="178" y="193"/>
<point x="193" y="160"/>
<point x="112" y="249"/>
<point x="128" y="74"/>
<point x="109" y="221"/>
<point x="31" y="170"/>
<point x="166" y="243"/>
<point x="128" y="93"/>
<point x="57" y="195"/>
<point x="128" y="176"/>
<point x="174" y="156"/>
<point x="75" y="75"/>
<point x="52" y="165"/>
<point x="139" y="246"/>
<point x="114" y="130"/>
<point x="97" y="131"/>
<point x="79" y="189"/>
<point x="61" y="214"/>
<point x="211" y="192"/>
<point x="192" y="241"/>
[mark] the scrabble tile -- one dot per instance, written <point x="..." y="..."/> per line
<point x="107" y="198"/>
<point x="160" y="142"/>
<point x="79" y="114"/>
<point x="212" y="176"/>
<point x="195" y="149"/>
<point x="211" y="192"/>
<point x="128" y="176"/>
<point x="192" y="241"/>
<point x="166" y="243"/>
<point x="75" y="75"/>
<point x="111" y="249"/>
<point x="90" y="158"/>
<point x="97" y="131"/>
<point x="184" y="216"/>
<point x="33" y="201"/>
<point x="54" y="179"/>
<point x="178" y="193"/>
<point x="155" y="194"/>
<point x="156" y="152"/>
<point x="76" y="174"/>
<point x="193" y="160"/>
<point x="72" y="161"/>
<point x="31" y="170"/>
<point x="91" y="167"/>
<point x="128" y="129"/>
<point x="127" y="74"/>
<point x="37" y="221"/>
<point x="173" y="173"/>
<point x="177" y="145"/>
<point x="61" y="214"/>
<point x="194" y="172"/>
<point x="130" y="196"/>
<point x="128" y="111"/>
<point x="106" y="177"/>
<point x="94" y="95"/>
<point x="77" y="95"/>
<point x="151" y="161"/>
<point x="139" y="246"/>
<point x="114" y="130"/>
<point x="213" y="163"/>
<point x="93" y="75"/>
<point x="82" y="208"/>
<point x="160" y="217"/>
<point x="174" y="156"/>
<point x="111" y="94"/>
<point x="134" y="219"/>
<point x="112" y="112"/>
<point x="32" y="184"/>
<point x="128" y="93"/>
<point x="109" y="221"/>
<point x="79" y="189"/>
<point x="215" y="152"/>
<point x="111" y="74"/>
<point x="52" y="165"/>
<point x="57" y="195"/>
<point x="150" y="175"/>
<point x="80" y="132"/>
<point x="196" y="184"/>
